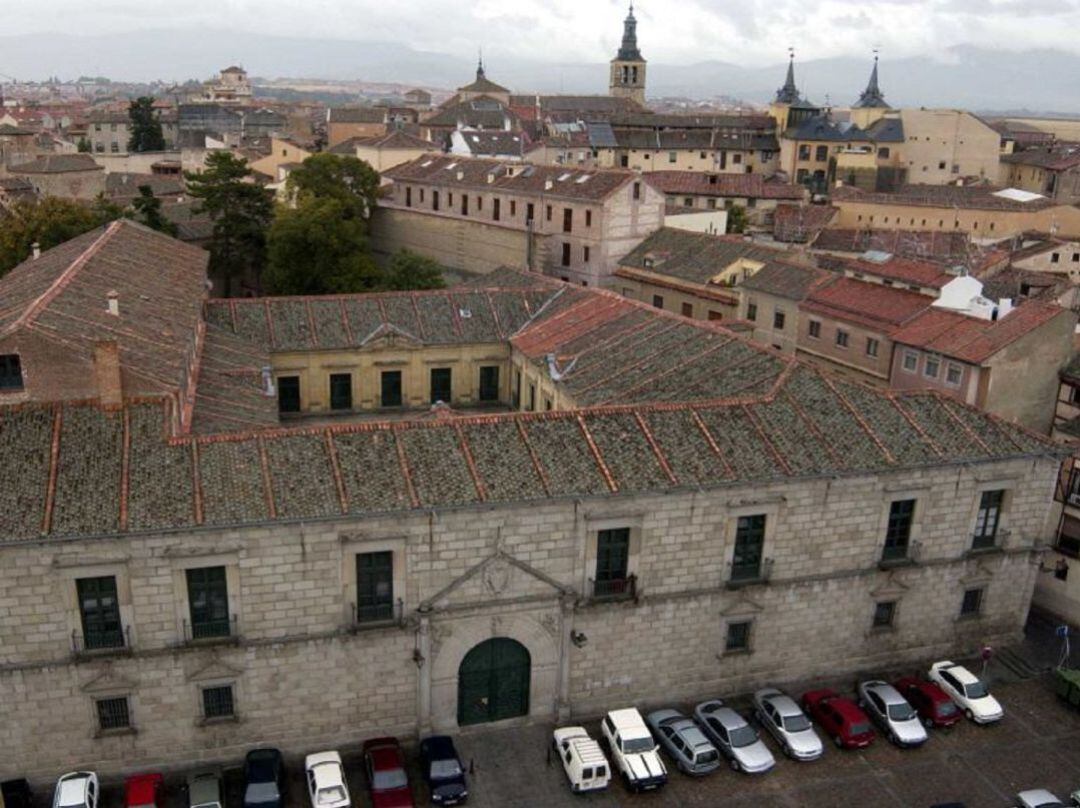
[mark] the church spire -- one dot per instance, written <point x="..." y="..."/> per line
<point x="872" y="97"/>
<point x="480" y="65"/>
<point x="789" y="93"/>
<point x="629" y="51"/>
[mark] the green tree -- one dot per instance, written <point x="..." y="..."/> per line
<point x="241" y="212"/>
<point x="146" y="135"/>
<point x="147" y="209"/>
<point x="84" y="145"/>
<point x="408" y="270"/>
<point x="317" y="248"/>
<point x="352" y="182"/>
<point x="47" y="222"/>
<point x="736" y="219"/>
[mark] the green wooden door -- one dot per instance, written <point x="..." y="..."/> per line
<point x="493" y="682"/>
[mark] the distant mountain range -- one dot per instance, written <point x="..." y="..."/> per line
<point x="973" y="78"/>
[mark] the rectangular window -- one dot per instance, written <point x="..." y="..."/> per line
<point x="208" y="602"/>
<point x="99" y="610"/>
<point x="568" y="220"/>
<point x="715" y="316"/>
<point x="637" y="190"/>
<point x="434" y="200"/>
<point x="441" y="385"/>
<point x="566" y="255"/>
<point x="515" y="396"/>
<point x="489" y="383"/>
<point x="841" y="338"/>
<point x="804" y="151"/>
<point x="391" y="388"/>
<point x="218" y="702"/>
<point x="586" y="254"/>
<point x="531" y="405"/>
<point x="341" y="391"/>
<point x="778" y="320"/>
<point x="884" y="614"/>
<point x="911" y="361"/>
<point x="658" y="301"/>
<point x="513" y="208"/>
<point x="821" y="154"/>
<point x="749" y="544"/>
<point x="898" y="531"/>
<point x="871" y="346"/>
<point x="288" y="393"/>
<point x="986" y="522"/>
<point x="530" y="212"/>
<point x="479" y="203"/>
<point x="687" y="309"/>
<point x="738" y="636"/>
<point x="814" y="329"/>
<point x="496" y="209"/>
<point x="464" y="204"/>
<point x="971" y="605"/>
<point x="374" y="586"/>
<point x="751" y="312"/>
<point x="612" y="562"/>
<point x="931" y="368"/>
<point x="588" y="218"/>
<point x="547" y="213"/>
<point x="113" y="714"/>
<point x="953" y="375"/>
<point x="673" y="157"/>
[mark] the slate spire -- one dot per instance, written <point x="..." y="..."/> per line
<point x="629" y="51"/>
<point x="872" y="97"/>
<point x="789" y="93"/>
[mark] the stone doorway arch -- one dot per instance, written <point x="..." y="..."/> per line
<point x="494" y="679"/>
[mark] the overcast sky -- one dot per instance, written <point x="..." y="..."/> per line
<point x="748" y="32"/>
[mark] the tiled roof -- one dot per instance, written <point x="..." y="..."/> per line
<point x="192" y="222"/>
<point x="13" y="185"/>
<point x="974" y="197"/>
<point x="478" y="113"/>
<point x="14" y="131"/>
<point x="710" y="184"/>
<point x="971" y="339"/>
<point x="800" y="223"/>
<point x="824" y="128"/>
<point x="125" y="184"/>
<point x="1014" y="282"/>
<point x="510" y="278"/>
<point x="85" y="470"/>
<point x="229" y="390"/>
<point x="393" y="140"/>
<point x="901" y="270"/>
<point x="484" y="143"/>
<point x="940" y="246"/>
<point x="57" y="164"/>
<point x="356" y="115"/>
<point x="550" y="104"/>
<point x="571" y="183"/>
<point x="62" y="296"/>
<point x="651" y="120"/>
<point x="696" y="257"/>
<point x="1051" y="160"/>
<point x="786" y="280"/>
<point x="873" y="305"/>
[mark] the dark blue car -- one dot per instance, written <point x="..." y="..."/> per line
<point x="443" y="770"/>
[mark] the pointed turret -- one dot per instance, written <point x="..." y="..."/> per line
<point x="629" y="51"/>
<point x="872" y="97"/>
<point x="789" y="93"/>
<point x="628" y="66"/>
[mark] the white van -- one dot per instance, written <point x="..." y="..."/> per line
<point x="582" y="759"/>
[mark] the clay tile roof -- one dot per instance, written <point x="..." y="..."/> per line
<point x="710" y="184"/>
<point x="971" y="197"/>
<point x="1051" y="160"/>
<point x="971" y="339"/>
<point x="357" y="115"/>
<point x="57" y="164"/>
<point x="791" y="281"/>
<point x="801" y="223"/>
<point x="915" y="243"/>
<point x="902" y="270"/>
<point x="873" y="305"/>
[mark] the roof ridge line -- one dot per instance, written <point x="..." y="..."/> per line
<point x="859" y="419"/>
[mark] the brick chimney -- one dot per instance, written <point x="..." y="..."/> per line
<point x="107" y="372"/>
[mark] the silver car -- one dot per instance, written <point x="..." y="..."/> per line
<point x="684" y="741"/>
<point x="734" y="737"/>
<point x="892" y="712"/>
<point x="781" y="716"/>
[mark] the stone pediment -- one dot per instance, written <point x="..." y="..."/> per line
<point x="981" y="572"/>
<point x="389" y="335"/>
<point x="214" y="670"/>
<point x="500" y="576"/>
<point x="892" y="587"/>
<point x="108" y="682"/>
<point x="742" y="605"/>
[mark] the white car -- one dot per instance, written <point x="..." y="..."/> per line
<point x="582" y="759"/>
<point x="633" y="749"/>
<point x="788" y="724"/>
<point x="1038" y="798"/>
<point x="892" y="712"/>
<point x="968" y="691"/>
<point x="76" y="790"/>
<point x="326" y="781"/>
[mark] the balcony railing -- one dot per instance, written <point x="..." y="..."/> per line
<point x="896" y="555"/>
<point x="614" y="588"/>
<point x="988" y="541"/>
<point x="223" y="629"/>
<point x="94" y="641"/>
<point x="753" y="573"/>
<point x="378" y="614"/>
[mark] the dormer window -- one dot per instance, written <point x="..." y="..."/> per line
<point x="10" y="372"/>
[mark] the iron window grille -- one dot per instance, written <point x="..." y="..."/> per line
<point x="218" y="702"/>
<point x="898" y="532"/>
<point x="113" y="714"/>
<point x="208" y="599"/>
<point x="746" y="562"/>
<point x="738" y="636"/>
<point x="374" y="587"/>
<point x="971" y="605"/>
<point x="884" y="614"/>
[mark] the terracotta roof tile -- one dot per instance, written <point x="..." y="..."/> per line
<point x="870" y="304"/>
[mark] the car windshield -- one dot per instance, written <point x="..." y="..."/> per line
<point x="947" y="708"/>
<point x="331" y="794"/>
<point x="743" y="736"/>
<point x="901" y="712"/>
<point x="635" y="746"/>
<point x="977" y="690"/>
<point x="796" y="723"/>
<point x="860" y="729"/>
<point x="445" y="769"/>
<point x="392" y="778"/>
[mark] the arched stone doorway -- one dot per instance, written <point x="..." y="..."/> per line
<point x="493" y="682"/>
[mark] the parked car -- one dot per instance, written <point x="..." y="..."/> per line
<point x="76" y="790"/>
<point x="781" y="716"/>
<point x="582" y="759"/>
<point x="384" y="765"/>
<point x="1038" y="798"/>
<point x="204" y="788"/>
<point x="734" y="737"/>
<point x="326" y="781"/>
<point x="839" y="717"/>
<point x="933" y="704"/>
<point x="968" y="691"/>
<point x="633" y="750"/>
<point x="16" y="794"/>
<point x="684" y="741"/>
<point x="443" y="770"/>
<point x="891" y="711"/>
<point x="264" y="778"/>
<point x="144" y="791"/>
<point x="1074" y="798"/>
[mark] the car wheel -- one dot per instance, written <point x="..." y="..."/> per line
<point x="839" y="743"/>
<point x="970" y="715"/>
<point x="788" y="751"/>
<point x="734" y="765"/>
<point x="928" y="723"/>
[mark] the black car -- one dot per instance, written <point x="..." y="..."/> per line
<point x="264" y="779"/>
<point x="443" y="771"/>
<point x="15" y="794"/>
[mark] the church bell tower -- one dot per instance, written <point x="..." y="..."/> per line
<point x="628" y="66"/>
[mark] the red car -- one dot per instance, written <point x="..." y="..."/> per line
<point x="144" y="791"/>
<point x="840" y="718"/>
<point x="932" y="703"/>
<point x="387" y="780"/>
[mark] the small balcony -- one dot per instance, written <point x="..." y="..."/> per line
<point x="749" y="574"/>
<point x="988" y="542"/>
<point x="899" y="555"/>
<point x="613" y="589"/>
<point x="207" y="631"/>
<point x="101" y="642"/>
<point x="378" y="615"/>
